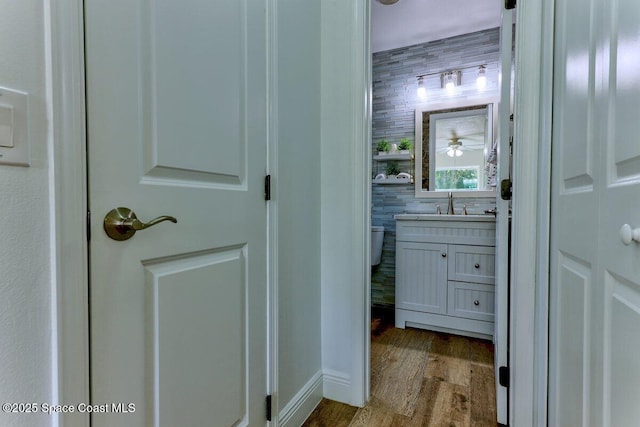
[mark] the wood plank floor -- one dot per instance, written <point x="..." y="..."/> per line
<point x="420" y="378"/>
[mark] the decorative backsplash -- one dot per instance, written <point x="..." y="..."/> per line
<point x="394" y="102"/>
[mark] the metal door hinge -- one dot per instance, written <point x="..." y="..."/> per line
<point x="505" y="189"/>
<point x="88" y="226"/>
<point x="509" y="4"/>
<point x="268" y="403"/>
<point x="503" y="376"/>
<point x="267" y="187"/>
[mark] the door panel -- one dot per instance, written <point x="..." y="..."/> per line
<point x="184" y="295"/>
<point x="625" y="345"/>
<point x="187" y="106"/>
<point x="573" y="224"/>
<point x="595" y="286"/>
<point x="572" y="323"/>
<point x="175" y="96"/>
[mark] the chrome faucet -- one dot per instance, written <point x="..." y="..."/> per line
<point x="450" y="208"/>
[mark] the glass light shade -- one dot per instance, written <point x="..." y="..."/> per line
<point x="450" y="80"/>
<point x="422" y="91"/>
<point x="481" y="80"/>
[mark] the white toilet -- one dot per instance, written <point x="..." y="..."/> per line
<point x="377" y="238"/>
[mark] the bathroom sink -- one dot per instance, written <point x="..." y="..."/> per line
<point x="443" y="217"/>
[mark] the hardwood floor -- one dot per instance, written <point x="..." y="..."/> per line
<point x="420" y="378"/>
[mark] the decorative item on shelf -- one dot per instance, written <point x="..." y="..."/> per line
<point x="405" y="146"/>
<point x="404" y="177"/>
<point x="392" y="169"/>
<point x="400" y="178"/>
<point x="393" y="149"/>
<point x="393" y="175"/>
<point x="383" y="146"/>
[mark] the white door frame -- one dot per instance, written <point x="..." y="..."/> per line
<point x="531" y="214"/>
<point x="65" y="59"/>
<point x="64" y="26"/>
<point x="531" y="203"/>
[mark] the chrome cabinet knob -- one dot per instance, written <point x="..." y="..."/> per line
<point x="628" y="234"/>
<point x="477" y="265"/>
<point x="444" y="254"/>
<point x="476" y="302"/>
<point x="122" y="223"/>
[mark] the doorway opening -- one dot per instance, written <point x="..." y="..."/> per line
<point x="416" y="282"/>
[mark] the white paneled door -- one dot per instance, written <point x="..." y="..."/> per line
<point x="595" y="277"/>
<point x="176" y="126"/>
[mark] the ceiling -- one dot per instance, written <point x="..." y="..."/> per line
<point x="410" y="22"/>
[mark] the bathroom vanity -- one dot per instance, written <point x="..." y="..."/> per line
<point x="445" y="273"/>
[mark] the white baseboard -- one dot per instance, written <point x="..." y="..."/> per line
<point x="337" y="386"/>
<point x="303" y="403"/>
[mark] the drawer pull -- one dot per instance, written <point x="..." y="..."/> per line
<point x="476" y="302"/>
<point x="477" y="265"/>
<point x="444" y="254"/>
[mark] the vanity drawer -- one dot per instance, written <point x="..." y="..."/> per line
<point x="475" y="264"/>
<point x="471" y="301"/>
<point x="448" y="232"/>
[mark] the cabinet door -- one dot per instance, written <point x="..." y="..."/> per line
<point x="421" y="277"/>
<point x="475" y="264"/>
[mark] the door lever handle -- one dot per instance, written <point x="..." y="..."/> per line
<point x="122" y="223"/>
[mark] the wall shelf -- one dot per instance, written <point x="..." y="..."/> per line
<point x="395" y="156"/>
<point x="393" y="181"/>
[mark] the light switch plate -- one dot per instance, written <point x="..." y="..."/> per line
<point x="6" y="126"/>
<point x="14" y="127"/>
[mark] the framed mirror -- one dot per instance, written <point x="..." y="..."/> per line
<point x="455" y="150"/>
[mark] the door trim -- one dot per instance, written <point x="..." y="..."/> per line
<point x="70" y="337"/>
<point x="531" y="214"/>
<point x="272" y="211"/>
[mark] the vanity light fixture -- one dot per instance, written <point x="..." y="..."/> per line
<point x="481" y="80"/>
<point x="450" y="79"/>
<point x="422" y="90"/>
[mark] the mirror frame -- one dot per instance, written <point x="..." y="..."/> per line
<point x="434" y="108"/>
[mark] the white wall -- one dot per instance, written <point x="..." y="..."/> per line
<point x="25" y="278"/>
<point x="298" y="203"/>
<point x="345" y="199"/>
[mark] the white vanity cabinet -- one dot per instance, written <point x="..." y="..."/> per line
<point x="445" y="273"/>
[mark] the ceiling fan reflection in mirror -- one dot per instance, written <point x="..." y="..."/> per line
<point x="455" y="148"/>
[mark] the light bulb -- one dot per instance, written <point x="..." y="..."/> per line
<point x="458" y="152"/>
<point x="450" y="152"/>
<point x="450" y="85"/>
